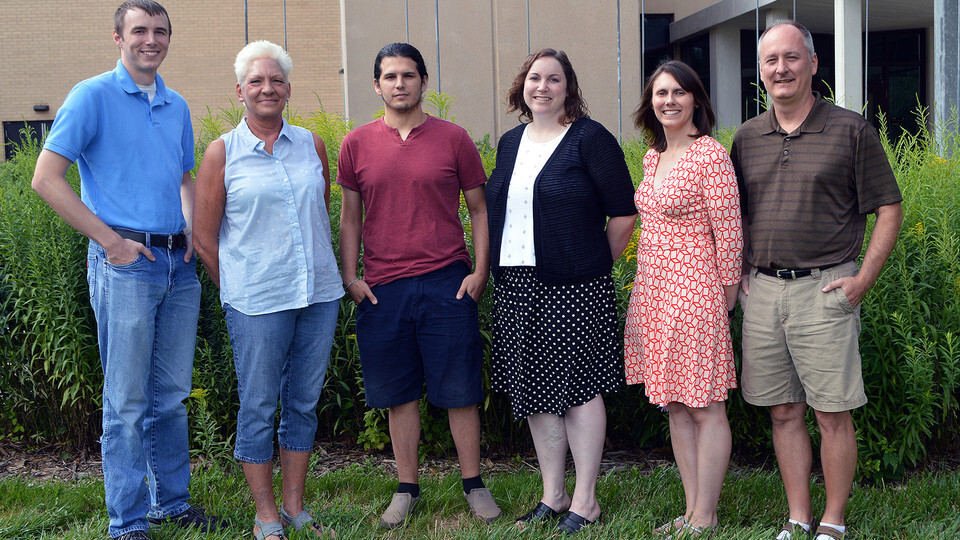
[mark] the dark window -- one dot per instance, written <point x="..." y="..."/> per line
<point x="696" y="54"/>
<point x="657" y="48"/>
<point x="896" y="79"/>
<point x="14" y="132"/>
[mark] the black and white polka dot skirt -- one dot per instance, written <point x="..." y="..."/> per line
<point x="555" y="346"/>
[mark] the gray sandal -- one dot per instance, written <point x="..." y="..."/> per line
<point x="268" y="529"/>
<point x="304" y="519"/>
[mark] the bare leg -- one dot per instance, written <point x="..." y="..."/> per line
<point x="294" y="467"/>
<point x="791" y="442"/>
<point x="713" y="457"/>
<point x="405" y="438"/>
<point x="683" y="439"/>
<point x="260" y="479"/>
<point x="586" y="428"/>
<point x="465" y="428"/>
<point x="550" y="441"/>
<point x="838" y="454"/>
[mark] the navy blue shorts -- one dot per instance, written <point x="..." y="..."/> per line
<point x="419" y="332"/>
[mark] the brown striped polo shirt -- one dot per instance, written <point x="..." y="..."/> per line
<point x="806" y="195"/>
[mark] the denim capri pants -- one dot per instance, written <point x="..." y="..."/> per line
<point x="281" y="356"/>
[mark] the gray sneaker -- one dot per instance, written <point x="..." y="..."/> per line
<point x="399" y="510"/>
<point x="482" y="505"/>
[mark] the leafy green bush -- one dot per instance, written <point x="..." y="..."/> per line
<point x="50" y="380"/>
<point x="910" y="342"/>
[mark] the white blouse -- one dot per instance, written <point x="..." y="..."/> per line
<point x="516" y="246"/>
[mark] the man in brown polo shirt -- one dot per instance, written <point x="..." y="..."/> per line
<point x="809" y="174"/>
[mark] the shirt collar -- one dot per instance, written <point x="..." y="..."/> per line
<point x="815" y="121"/>
<point x="252" y="143"/>
<point x="419" y="127"/>
<point x="130" y="87"/>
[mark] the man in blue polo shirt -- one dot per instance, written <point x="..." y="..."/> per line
<point x="132" y="140"/>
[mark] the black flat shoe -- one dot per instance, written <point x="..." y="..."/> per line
<point x="540" y="512"/>
<point x="573" y="523"/>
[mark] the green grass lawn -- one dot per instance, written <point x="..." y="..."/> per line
<point x="634" y="501"/>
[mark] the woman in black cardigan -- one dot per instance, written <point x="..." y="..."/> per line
<point x="558" y="177"/>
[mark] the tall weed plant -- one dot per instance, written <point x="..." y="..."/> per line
<point x="50" y="380"/>
<point x="909" y="344"/>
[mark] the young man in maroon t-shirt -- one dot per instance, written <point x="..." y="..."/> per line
<point x="417" y="317"/>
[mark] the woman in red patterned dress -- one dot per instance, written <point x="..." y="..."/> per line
<point x="677" y="336"/>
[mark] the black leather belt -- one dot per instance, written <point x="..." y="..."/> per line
<point x="786" y="273"/>
<point x="169" y="241"/>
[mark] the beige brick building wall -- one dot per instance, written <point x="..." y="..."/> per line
<point x="50" y="45"/>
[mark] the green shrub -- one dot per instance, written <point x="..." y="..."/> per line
<point x="50" y="382"/>
<point x="910" y="343"/>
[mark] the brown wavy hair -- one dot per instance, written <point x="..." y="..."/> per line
<point x="574" y="107"/>
<point x="703" y="118"/>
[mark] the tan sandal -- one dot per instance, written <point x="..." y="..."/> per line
<point x="829" y="531"/>
<point x="794" y="531"/>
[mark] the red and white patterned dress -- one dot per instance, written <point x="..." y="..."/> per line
<point x="677" y="336"/>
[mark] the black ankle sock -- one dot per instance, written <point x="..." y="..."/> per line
<point x="412" y="489"/>
<point x="470" y="484"/>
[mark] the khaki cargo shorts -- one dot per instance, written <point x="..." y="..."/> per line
<point x="801" y="344"/>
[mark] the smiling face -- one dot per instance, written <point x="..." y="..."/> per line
<point x="786" y="68"/>
<point x="545" y="89"/>
<point x="143" y="45"/>
<point x="400" y="84"/>
<point x="265" y="90"/>
<point x="672" y="105"/>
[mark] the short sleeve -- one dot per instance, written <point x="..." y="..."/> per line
<point x="75" y="125"/>
<point x="738" y="171"/>
<point x="876" y="183"/>
<point x="346" y="174"/>
<point x="189" y="157"/>
<point x="469" y="166"/>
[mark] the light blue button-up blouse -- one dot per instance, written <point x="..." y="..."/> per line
<point x="275" y="241"/>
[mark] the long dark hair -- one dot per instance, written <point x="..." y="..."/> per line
<point x="703" y="118"/>
<point x="574" y="107"/>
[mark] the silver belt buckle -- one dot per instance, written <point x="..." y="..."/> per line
<point x="170" y="241"/>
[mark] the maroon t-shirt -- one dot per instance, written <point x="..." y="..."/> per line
<point x="411" y="195"/>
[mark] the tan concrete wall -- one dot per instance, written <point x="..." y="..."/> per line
<point x="49" y="45"/>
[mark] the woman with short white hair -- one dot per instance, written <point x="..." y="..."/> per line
<point x="262" y="230"/>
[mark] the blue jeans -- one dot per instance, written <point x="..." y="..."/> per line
<point x="147" y="329"/>
<point x="280" y="356"/>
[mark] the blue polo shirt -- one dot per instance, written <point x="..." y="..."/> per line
<point x="131" y="153"/>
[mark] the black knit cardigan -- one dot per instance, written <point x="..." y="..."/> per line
<point x="584" y="181"/>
